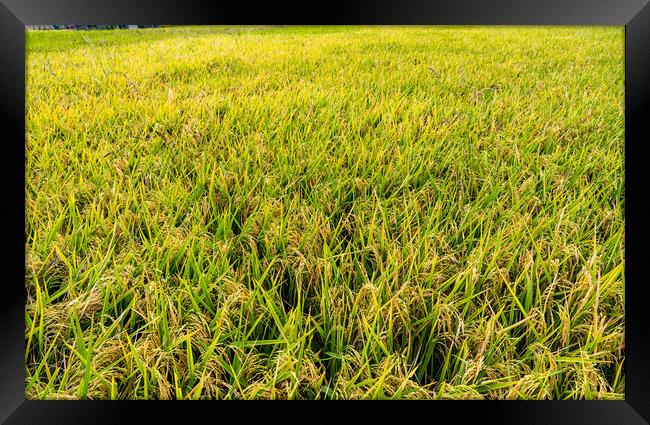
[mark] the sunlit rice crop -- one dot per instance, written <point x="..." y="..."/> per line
<point x="325" y="212"/>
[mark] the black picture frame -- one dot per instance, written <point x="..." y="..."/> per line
<point x="633" y="14"/>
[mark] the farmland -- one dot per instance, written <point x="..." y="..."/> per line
<point x="325" y="213"/>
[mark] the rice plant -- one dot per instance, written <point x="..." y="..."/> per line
<point x="325" y="213"/>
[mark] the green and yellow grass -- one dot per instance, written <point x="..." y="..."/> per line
<point x="371" y="212"/>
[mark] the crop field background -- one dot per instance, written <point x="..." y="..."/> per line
<point x="325" y="212"/>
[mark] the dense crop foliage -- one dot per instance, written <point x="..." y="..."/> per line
<point x="374" y="212"/>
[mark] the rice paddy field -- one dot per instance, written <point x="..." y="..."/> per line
<point x="325" y="213"/>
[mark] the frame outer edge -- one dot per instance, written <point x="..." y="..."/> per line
<point x="10" y="385"/>
<point x="637" y="215"/>
<point x="12" y="314"/>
